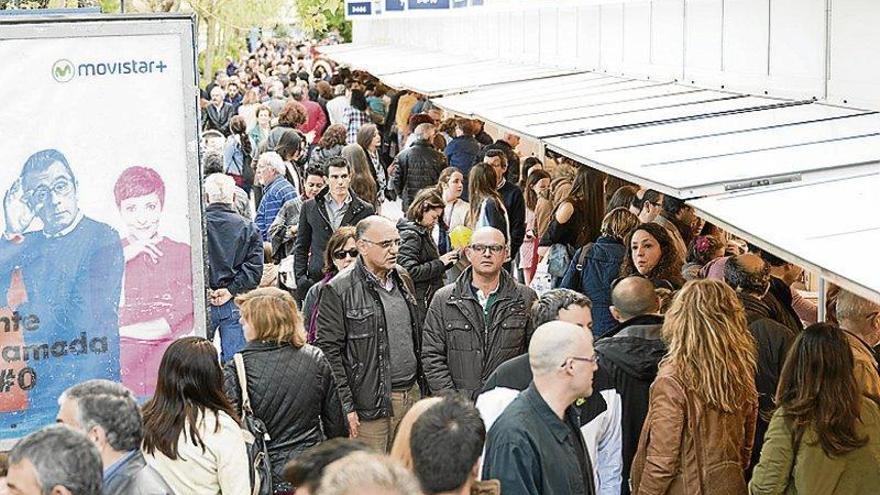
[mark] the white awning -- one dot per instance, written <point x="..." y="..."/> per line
<point x="384" y="60"/>
<point x="707" y="152"/>
<point x="831" y="227"/>
<point x="451" y="79"/>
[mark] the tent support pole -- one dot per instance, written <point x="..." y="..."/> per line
<point x="822" y="297"/>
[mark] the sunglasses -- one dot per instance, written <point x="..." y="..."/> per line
<point x="340" y="255"/>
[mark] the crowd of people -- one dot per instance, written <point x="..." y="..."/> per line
<point x="526" y="326"/>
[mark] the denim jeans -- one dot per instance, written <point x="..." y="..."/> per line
<point x="225" y="318"/>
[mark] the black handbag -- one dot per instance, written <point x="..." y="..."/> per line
<point x="256" y="436"/>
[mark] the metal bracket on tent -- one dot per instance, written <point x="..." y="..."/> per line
<point x="761" y="182"/>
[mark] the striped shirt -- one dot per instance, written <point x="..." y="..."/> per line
<point x="274" y="196"/>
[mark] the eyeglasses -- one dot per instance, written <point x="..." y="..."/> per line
<point x="493" y="248"/>
<point x="340" y="255"/>
<point x="384" y="244"/>
<point x="40" y="194"/>
<point x="576" y="358"/>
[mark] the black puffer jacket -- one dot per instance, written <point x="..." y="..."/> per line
<point x="460" y="351"/>
<point x="353" y="335"/>
<point x="630" y="354"/>
<point x="418" y="167"/>
<point x="419" y="255"/>
<point x="314" y="232"/>
<point x="293" y="392"/>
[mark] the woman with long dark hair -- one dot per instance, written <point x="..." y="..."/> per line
<point x="578" y="218"/>
<point x="369" y="139"/>
<point x="486" y="207"/>
<point x="651" y="254"/>
<point x="340" y="253"/>
<point x="697" y="438"/>
<point x="537" y="185"/>
<point x="238" y="154"/>
<point x="825" y="436"/>
<point x="192" y="434"/>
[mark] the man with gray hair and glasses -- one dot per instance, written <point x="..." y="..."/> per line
<point x="55" y="460"/>
<point x="108" y="414"/>
<point x="860" y="320"/>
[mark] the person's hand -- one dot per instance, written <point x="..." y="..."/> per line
<point x="392" y="168"/>
<point x="292" y="230"/>
<point x="449" y="258"/>
<point x="353" y="423"/>
<point x="649" y="212"/>
<point x="137" y="247"/>
<point x="17" y="212"/>
<point x="220" y="297"/>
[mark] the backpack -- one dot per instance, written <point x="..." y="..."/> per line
<point x="256" y="435"/>
<point x="573" y="273"/>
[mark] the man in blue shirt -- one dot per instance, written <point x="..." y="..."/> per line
<point x="276" y="191"/>
<point x="108" y="414"/>
<point x="68" y="276"/>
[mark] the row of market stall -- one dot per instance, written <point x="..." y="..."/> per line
<point x="798" y="178"/>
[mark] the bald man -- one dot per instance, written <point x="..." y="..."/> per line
<point x="629" y="356"/>
<point x="368" y="328"/>
<point x="478" y="322"/>
<point x="536" y="446"/>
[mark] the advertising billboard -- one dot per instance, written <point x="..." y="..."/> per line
<point x="101" y="262"/>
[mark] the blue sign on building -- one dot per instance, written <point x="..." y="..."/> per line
<point x="459" y="3"/>
<point x="428" y="4"/>
<point x="394" y="5"/>
<point x="359" y="8"/>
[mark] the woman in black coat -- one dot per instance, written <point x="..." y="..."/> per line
<point x="418" y="250"/>
<point x="289" y="382"/>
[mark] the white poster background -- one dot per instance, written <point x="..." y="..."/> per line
<point x="102" y="124"/>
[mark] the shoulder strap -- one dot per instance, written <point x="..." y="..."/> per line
<point x="242" y="382"/>
<point x="583" y="257"/>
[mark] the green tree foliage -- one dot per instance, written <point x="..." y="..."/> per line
<point x="318" y="17"/>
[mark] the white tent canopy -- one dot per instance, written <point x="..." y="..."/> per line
<point x="831" y="227"/>
<point x="766" y="169"/>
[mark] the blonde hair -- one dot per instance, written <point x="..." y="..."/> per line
<point x="273" y="316"/>
<point x="618" y="223"/>
<point x="400" y="449"/>
<point x="710" y="345"/>
<point x="361" y="471"/>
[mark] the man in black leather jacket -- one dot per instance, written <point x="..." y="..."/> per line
<point x="108" y="413"/>
<point x="369" y="330"/>
<point x="418" y="166"/>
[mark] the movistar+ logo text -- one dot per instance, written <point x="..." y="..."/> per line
<point x="64" y="70"/>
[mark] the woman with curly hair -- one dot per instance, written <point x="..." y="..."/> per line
<point x="651" y="254"/>
<point x="703" y="249"/>
<point x="698" y="435"/>
<point x="825" y="436"/>
<point x="330" y="146"/>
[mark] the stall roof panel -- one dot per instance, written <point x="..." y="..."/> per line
<point x="698" y="149"/>
<point x="501" y="94"/>
<point x="714" y="153"/>
<point x="738" y="123"/>
<point x="796" y="223"/>
<point x="652" y="113"/>
<point x="453" y="79"/>
<point x="382" y="60"/>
